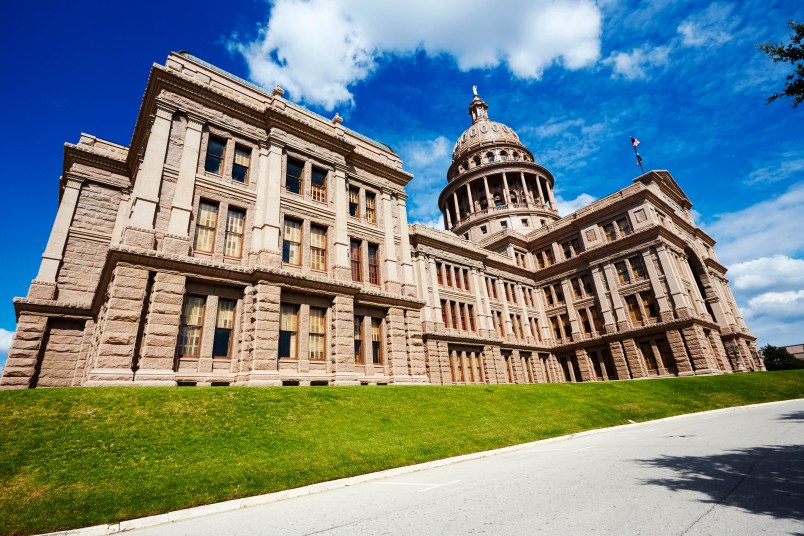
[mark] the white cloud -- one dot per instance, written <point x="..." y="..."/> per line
<point x="428" y="152"/>
<point x="786" y="165"/>
<point x="436" y="223"/>
<point x="764" y="229"/>
<point x="711" y="27"/>
<point x="317" y="49"/>
<point x="568" y="206"/>
<point x="778" y="272"/>
<point x="788" y="305"/>
<point x="5" y="340"/>
<point x="635" y="64"/>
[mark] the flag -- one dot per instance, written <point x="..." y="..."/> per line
<point x="639" y="160"/>
<point x="634" y="142"/>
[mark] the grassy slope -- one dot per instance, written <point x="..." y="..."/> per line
<point x="78" y="457"/>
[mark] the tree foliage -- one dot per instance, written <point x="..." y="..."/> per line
<point x="794" y="53"/>
<point x="780" y="359"/>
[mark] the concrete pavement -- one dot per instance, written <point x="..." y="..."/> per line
<point x="738" y="471"/>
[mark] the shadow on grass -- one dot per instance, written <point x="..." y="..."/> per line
<point x="762" y="480"/>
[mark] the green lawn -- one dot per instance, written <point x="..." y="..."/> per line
<point x="79" y="457"/>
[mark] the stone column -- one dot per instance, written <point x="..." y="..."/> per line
<point x="420" y="269"/>
<point x="525" y="191"/>
<point x="507" y="328"/>
<point x="44" y="285"/>
<point x="618" y="358"/>
<point x="481" y="305"/>
<point x="177" y="239"/>
<point x="571" y="312"/>
<point x="635" y="361"/>
<point x="342" y="349"/>
<point x="447" y="217"/>
<point x="342" y="267"/>
<point x="392" y="278"/>
<point x="489" y="200"/>
<point x="506" y="191"/>
<point x="542" y="197"/>
<point x="673" y="282"/>
<point x="680" y="356"/>
<point x="587" y="372"/>
<point x="437" y="320"/>
<point x="265" y="367"/>
<point x="550" y="195"/>
<point x="140" y="229"/>
<point x="119" y="327"/>
<point x="457" y="207"/>
<point x="161" y="332"/>
<point x="700" y="354"/>
<point x="269" y="188"/>
<point x="619" y="311"/>
<point x="665" y="312"/>
<point x="408" y="282"/>
<point x="469" y="197"/>
<point x="397" y="351"/>
<point x="520" y="297"/>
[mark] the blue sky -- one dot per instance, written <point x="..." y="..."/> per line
<point x="574" y="78"/>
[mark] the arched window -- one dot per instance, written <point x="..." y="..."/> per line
<point x="498" y="200"/>
<point x="515" y="155"/>
<point x="503" y="156"/>
<point x="489" y="157"/>
<point x="477" y="160"/>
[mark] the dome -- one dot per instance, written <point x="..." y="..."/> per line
<point x="483" y="132"/>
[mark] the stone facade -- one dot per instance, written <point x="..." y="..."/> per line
<point x="243" y="240"/>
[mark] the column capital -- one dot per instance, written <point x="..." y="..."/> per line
<point x="195" y="121"/>
<point x="165" y="110"/>
<point x="73" y="181"/>
<point x="277" y="138"/>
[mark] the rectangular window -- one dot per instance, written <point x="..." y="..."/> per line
<point x="453" y="314"/>
<point x="466" y="280"/>
<point x="622" y="273"/>
<point x="567" y="250"/>
<point x="633" y="308"/>
<point x="470" y="311"/>
<point x="235" y="223"/>
<point x="242" y="158"/>
<point x="318" y="248"/>
<point x="567" y="326"/>
<point x="576" y="287"/>
<point x="293" y="176"/>
<point x="376" y="341"/>
<point x="439" y="274"/>
<point x="649" y="304"/>
<point x="611" y="234"/>
<point x="556" y="327"/>
<point x="289" y="331"/>
<point x="224" y="326"/>
<point x="358" y="323"/>
<point x="586" y="281"/>
<point x="318" y="185"/>
<point x="192" y="322"/>
<point x="637" y="268"/>
<point x="549" y="257"/>
<point x="205" y="227"/>
<point x="371" y="208"/>
<point x="596" y="319"/>
<point x="647" y="352"/>
<point x="548" y="296"/>
<point x="213" y="163"/>
<point x="448" y="270"/>
<point x="559" y="292"/>
<point x="374" y="264"/>
<point x="500" y="325"/>
<point x="354" y="255"/>
<point x="444" y="312"/>
<point x="458" y="278"/>
<point x="623" y="227"/>
<point x="354" y="202"/>
<point x="291" y="243"/>
<point x="318" y="334"/>
<point x="575" y="244"/>
<point x="585" y="323"/>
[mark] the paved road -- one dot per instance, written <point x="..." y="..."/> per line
<point x="736" y="472"/>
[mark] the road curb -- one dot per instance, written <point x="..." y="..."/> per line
<point x="257" y="500"/>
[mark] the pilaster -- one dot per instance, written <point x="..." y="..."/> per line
<point x="177" y="240"/>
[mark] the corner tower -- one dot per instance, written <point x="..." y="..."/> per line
<point x="493" y="183"/>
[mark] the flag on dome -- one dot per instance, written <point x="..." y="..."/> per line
<point x="634" y="142"/>
<point x="639" y="160"/>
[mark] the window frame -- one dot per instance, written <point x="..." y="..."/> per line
<point x="288" y="175"/>
<point x="316" y="251"/>
<point x="287" y="243"/>
<point x="227" y="232"/>
<point x="199" y="327"/>
<point x="294" y="337"/>
<point x="235" y="165"/>
<point x="221" y="160"/>
<point x="212" y="229"/>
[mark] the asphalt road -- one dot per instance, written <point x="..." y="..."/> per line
<point x="740" y="471"/>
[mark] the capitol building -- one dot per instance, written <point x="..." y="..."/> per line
<point x="241" y="239"/>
